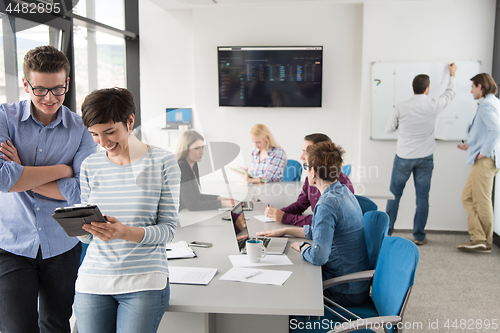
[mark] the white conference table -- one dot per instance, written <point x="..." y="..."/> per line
<point x="227" y="306"/>
<point x="240" y="190"/>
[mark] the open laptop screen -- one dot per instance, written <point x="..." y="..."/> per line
<point x="177" y="117"/>
<point x="239" y="223"/>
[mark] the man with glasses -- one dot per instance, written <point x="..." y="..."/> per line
<point x="42" y="145"/>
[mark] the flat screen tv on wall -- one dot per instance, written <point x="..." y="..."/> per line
<point x="270" y="76"/>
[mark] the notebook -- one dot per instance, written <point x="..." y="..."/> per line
<point x="274" y="245"/>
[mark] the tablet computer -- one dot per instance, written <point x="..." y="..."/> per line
<point x="72" y="218"/>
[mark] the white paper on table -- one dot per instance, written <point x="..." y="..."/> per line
<point x="260" y="276"/>
<point x="241" y="260"/>
<point x="179" y="250"/>
<point x="190" y="275"/>
<point x="263" y="218"/>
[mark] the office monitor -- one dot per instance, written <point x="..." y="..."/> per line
<point x="178" y="116"/>
<point x="270" y="76"/>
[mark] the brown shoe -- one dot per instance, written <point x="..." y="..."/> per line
<point x="473" y="246"/>
<point x="487" y="250"/>
<point x="422" y="242"/>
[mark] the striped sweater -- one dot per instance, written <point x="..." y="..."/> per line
<point x="143" y="194"/>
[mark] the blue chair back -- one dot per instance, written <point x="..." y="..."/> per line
<point x="376" y="228"/>
<point x="84" y="252"/>
<point x="395" y="274"/>
<point x="293" y="171"/>
<point x="346" y="169"/>
<point x="366" y="204"/>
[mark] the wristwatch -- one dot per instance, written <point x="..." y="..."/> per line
<point x="302" y="245"/>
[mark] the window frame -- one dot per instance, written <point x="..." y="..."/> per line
<point x="65" y="23"/>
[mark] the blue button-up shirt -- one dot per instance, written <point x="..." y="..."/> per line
<point x="338" y="235"/>
<point x="484" y="134"/>
<point x="26" y="223"/>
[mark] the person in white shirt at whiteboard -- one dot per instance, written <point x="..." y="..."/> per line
<point x="483" y="146"/>
<point x="415" y="121"/>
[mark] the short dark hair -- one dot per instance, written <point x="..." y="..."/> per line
<point x="488" y="85"/>
<point x="45" y="59"/>
<point x="317" y="138"/>
<point x="107" y="105"/>
<point x="326" y="159"/>
<point x="420" y="83"/>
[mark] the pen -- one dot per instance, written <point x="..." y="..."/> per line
<point x="252" y="275"/>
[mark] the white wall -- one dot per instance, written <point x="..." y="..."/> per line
<point x="337" y="28"/>
<point x="425" y="31"/>
<point x="353" y="36"/>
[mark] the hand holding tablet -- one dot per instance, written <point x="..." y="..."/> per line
<point x="73" y="218"/>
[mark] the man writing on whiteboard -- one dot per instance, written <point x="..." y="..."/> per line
<point x="415" y="120"/>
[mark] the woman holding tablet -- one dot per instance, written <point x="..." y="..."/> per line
<point x="337" y="230"/>
<point x="189" y="153"/>
<point x="268" y="158"/>
<point x="122" y="284"/>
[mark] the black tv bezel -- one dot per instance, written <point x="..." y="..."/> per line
<point x="271" y="47"/>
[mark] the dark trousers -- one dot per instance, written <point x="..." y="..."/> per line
<point x="36" y="294"/>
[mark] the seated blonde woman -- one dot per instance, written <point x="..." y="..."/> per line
<point x="268" y="158"/>
<point x="189" y="152"/>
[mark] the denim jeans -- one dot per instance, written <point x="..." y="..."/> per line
<point x="422" y="173"/>
<point x="137" y="312"/>
<point x="36" y="294"/>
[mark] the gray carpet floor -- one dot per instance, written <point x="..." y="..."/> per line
<point x="452" y="287"/>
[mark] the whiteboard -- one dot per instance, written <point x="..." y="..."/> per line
<point x="392" y="83"/>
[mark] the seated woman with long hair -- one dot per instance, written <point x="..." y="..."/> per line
<point x="268" y="158"/>
<point x="189" y="153"/>
<point x="337" y="230"/>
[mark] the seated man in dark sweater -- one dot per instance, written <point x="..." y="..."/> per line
<point x="309" y="196"/>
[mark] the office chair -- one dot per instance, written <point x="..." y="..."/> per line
<point x="346" y="169"/>
<point x="293" y="171"/>
<point x="84" y="252"/>
<point x="376" y="228"/>
<point x="366" y="204"/>
<point x="392" y="282"/>
<point x="376" y="225"/>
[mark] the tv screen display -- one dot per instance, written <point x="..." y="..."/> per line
<point x="270" y="76"/>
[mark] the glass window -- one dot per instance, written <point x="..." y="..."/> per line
<point x="28" y="36"/>
<point x="99" y="62"/>
<point x="109" y="12"/>
<point x="3" y="95"/>
<point x="26" y="40"/>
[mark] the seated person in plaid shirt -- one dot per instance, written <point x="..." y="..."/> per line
<point x="268" y="159"/>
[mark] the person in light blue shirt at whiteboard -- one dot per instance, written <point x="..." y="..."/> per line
<point x="415" y="121"/>
<point x="483" y="157"/>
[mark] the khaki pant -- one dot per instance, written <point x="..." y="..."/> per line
<point x="476" y="198"/>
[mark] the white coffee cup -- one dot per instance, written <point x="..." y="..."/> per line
<point x="255" y="250"/>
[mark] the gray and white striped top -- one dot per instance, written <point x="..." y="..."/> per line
<point x="143" y="194"/>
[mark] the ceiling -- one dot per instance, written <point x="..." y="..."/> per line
<point x="176" y="4"/>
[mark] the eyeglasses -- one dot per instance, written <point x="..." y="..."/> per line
<point x="306" y="166"/>
<point x="40" y="92"/>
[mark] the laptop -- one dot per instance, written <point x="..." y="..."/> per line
<point x="274" y="245"/>
<point x="177" y="117"/>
